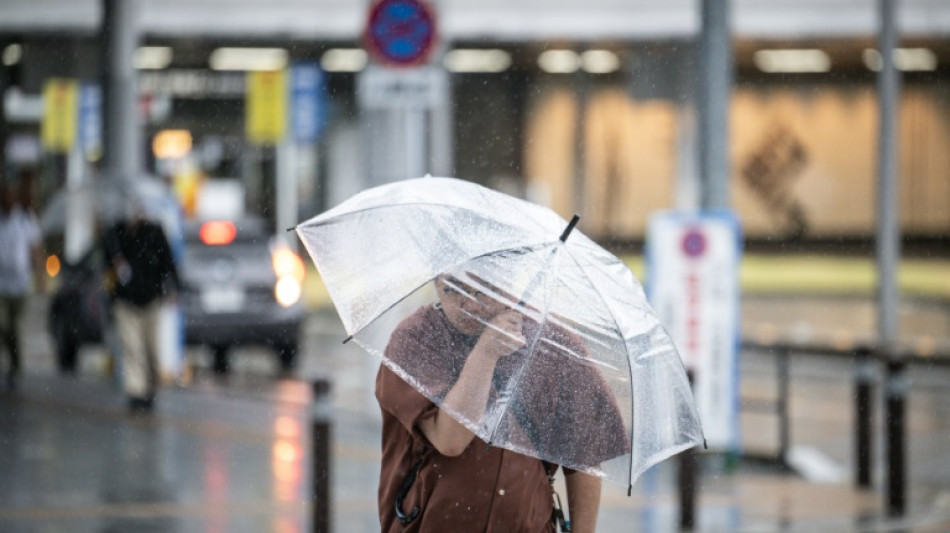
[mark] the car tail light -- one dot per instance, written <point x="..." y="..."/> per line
<point x="52" y="266"/>
<point x="218" y="232"/>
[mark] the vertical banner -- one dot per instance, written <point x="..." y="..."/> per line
<point x="693" y="262"/>
<point x="308" y="102"/>
<point x="266" y="107"/>
<point x="90" y="120"/>
<point x="60" y="101"/>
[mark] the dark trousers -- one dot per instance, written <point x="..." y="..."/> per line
<point x="11" y="308"/>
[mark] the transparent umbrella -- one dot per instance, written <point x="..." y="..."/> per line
<point x="422" y="270"/>
<point x="105" y="202"/>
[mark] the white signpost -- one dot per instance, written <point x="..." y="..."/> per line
<point x="402" y="88"/>
<point x="693" y="264"/>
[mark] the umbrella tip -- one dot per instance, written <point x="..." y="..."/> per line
<point x="348" y="339"/>
<point x="570" y="227"/>
<point x="629" y="490"/>
<point x="291" y="228"/>
<point x="705" y="447"/>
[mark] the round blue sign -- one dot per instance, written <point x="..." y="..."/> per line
<point x="400" y="32"/>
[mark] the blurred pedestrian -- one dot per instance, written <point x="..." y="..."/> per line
<point x="20" y="249"/>
<point x="145" y="279"/>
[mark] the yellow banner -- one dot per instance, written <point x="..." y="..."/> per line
<point x="266" y="107"/>
<point x="60" y="114"/>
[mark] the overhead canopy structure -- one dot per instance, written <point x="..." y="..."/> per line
<point x="496" y="20"/>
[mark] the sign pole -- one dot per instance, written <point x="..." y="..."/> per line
<point x="400" y="88"/>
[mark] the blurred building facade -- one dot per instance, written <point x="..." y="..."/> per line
<point x="586" y="106"/>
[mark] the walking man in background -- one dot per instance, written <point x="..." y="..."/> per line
<point x="20" y="248"/>
<point x="140" y="256"/>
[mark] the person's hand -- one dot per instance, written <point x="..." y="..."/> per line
<point x="503" y="335"/>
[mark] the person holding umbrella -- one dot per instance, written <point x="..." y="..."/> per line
<point x="511" y="345"/>
<point x="140" y="258"/>
<point x="436" y="474"/>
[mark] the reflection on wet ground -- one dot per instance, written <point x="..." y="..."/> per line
<point x="74" y="460"/>
<point x="233" y="455"/>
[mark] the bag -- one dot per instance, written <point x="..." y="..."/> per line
<point x="560" y="523"/>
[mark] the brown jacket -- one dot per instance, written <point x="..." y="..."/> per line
<point x="485" y="488"/>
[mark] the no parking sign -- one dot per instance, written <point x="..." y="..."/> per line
<point x="693" y="264"/>
<point x="400" y="33"/>
<point x="400" y="36"/>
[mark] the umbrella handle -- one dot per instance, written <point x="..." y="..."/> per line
<point x="562" y="523"/>
<point x="404" y="489"/>
<point x="570" y="227"/>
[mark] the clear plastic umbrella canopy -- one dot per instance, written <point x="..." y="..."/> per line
<point x="428" y="272"/>
<point x="106" y="202"/>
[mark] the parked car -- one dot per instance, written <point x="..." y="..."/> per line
<point x="241" y="285"/>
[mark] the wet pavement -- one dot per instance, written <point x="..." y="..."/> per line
<point x="233" y="455"/>
<point x="208" y="459"/>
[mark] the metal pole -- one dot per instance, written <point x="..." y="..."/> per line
<point x="888" y="251"/>
<point x="320" y="458"/>
<point x="687" y="483"/>
<point x="687" y="180"/>
<point x="896" y="392"/>
<point x="415" y="139"/>
<point x="285" y="197"/>
<point x="888" y="230"/>
<point x="715" y="60"/>
<point x="121" y="127"/>
<point x="579" y="177"/>
<point x="441" y="139"/>
<point x="864" y="374"/>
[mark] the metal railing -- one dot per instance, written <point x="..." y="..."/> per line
<point x="866" y="361"/>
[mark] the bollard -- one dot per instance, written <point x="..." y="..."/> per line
<point x="896" y="388"/>
<point x="687" y="485"/>
<point x="864" y="376"/>
<point x="687" y="482"/>
<point x="781" y="361"/>
<point x="320" y="454"/>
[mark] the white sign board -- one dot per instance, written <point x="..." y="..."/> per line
<point x="410" y="88"/>
<point x="220" y="199"/>
<point x="693" y="264"/>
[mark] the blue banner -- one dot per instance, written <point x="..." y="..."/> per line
<point x="308" y="109"/>
<point x="90" y="120"/>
